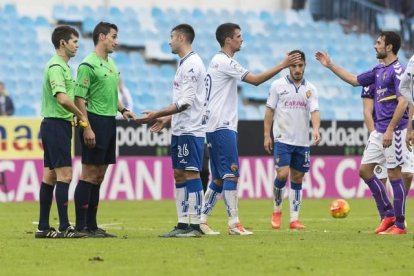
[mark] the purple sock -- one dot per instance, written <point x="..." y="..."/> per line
<point x="384" y="205"/>
<point x="399" y="202"/>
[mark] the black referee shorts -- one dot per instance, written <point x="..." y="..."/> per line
<point x="103" y="153"/>
<point x="56" y="137"/>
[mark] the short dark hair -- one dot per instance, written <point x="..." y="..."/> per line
<point x="63" y="32"/>
<point x="224" y="31"/>
<point x="302" y="54"/>
<point x="186" y="30"/>
<point x="102" y="28"/>
<point x="392" y="38"/>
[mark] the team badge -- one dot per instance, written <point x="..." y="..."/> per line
<point x="384" y="76"/>
<point x="234" y="167"/>
<point x="378" y="169"/>
<point x="238" y="68"/>
<point x="308" y="94"/>
<point x="85" y="82"/>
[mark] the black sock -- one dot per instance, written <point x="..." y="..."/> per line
<point x="93" y="208"/>
<point x="45" y="200"/>
<point x="196" y="227"/>
<point x="82" y="195"/>
<point x="181" y="225"/>
<point x="62" y="198"/>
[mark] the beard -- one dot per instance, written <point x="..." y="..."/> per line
<point x="297" y="77"/>
<point x="381" y="55"/>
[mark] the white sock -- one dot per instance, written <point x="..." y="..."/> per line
<point x="277" y="199"/>
<point x="209" y="201"/>
<point x="194" y="207"/>
<point x="231" y="200"/>
<point x="295" y="198"/>
<point x="181" y="202"/>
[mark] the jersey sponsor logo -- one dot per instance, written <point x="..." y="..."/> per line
<point x="296" y="104"/>
<point x="381" y="91"/>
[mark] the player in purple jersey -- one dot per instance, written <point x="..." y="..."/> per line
<point x="388" y="140"/>
<point x="367" y="95"/>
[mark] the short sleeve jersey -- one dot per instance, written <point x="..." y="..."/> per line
<point x="189" y="90"/>
<point x="57" y="78"/>
<point x="386" y="80"/>
<point x="97" y="83"/>
<point x="407" y="82"/>
<point x="368" y="92"/>
<point x="292" y="106"/>
<point x="221" y="87"/>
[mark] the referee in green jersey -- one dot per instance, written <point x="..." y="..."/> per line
<point x="97" y="97"/>
<point x="56" y="132"/>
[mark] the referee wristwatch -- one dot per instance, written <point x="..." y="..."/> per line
<point x="124" y="110"/>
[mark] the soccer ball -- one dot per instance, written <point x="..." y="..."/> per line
<point x="339" y="208"/>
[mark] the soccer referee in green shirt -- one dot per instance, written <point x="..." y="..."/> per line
<point x="97" y="97"/>
<point x="56" y="132"/>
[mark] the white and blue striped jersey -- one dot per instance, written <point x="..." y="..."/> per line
<point x="292" y="106"/>
<point x="222" y="99"/>
<point x="407" y="82"/>
<point x="189" y="91"/>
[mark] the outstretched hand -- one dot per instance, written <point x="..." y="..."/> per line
<point x="291" y="59"/>
<point x="159" y="124"/>
<point x="148" y="118"/>
<point x="129" y="115"/>
<point x="323" y="58"/>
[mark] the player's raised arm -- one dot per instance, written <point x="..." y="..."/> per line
<point x="346" y="76"/>
<point x="266" y="75"/>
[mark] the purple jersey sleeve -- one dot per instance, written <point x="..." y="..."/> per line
<point x="367" y="78"/>
<point x="368" y="91"/>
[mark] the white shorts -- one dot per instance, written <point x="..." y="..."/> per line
<point x="395" y="155"/>
<point x="380" y="171"/>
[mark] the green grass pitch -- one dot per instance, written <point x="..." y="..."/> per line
<point x="327" y="246"/>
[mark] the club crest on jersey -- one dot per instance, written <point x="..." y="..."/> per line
<point x="308" y="94"/>
<point x="234" y="167"/>
<point x="85" y="82"/>
<point x="384" y="76"/>
<point x="238" y="68"/>
<point x="378" y="169"/>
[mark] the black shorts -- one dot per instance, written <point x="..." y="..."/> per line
<point x="56" y="137"/>
<point x="103" y="153"/>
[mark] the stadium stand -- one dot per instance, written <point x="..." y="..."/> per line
<point x="147" y="66"/>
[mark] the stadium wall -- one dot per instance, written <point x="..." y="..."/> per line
<point x="151" y="178"/>
<point x="141" y="177"/>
